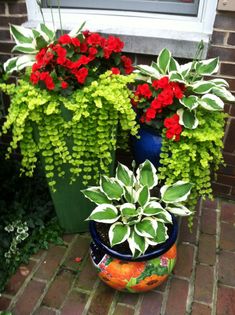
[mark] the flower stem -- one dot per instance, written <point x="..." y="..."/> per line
<point x="61" y="28"/>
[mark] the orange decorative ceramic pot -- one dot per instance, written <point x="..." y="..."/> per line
<point x="123" y="273"/>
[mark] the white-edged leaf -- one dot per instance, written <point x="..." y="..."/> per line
<point x="118" y="233"/>
<point x="152" y="208"/>
<point x="149" y="71"/>
<point x="190" y="102"/>
<point x="161" y="235"/>
<point x="21" y="34"/>
<point x="143" y="196"/>
<point x="176" y="77"/>
<point x="202" y="87"/>
<point x="212" y="102"/>
<point x="77" y="30"/>
<point x="130" y="194"/>
<point x="220" y="82"/>
<point x="105" y="213"/>
<point x="124" y="175"/>
<point x="128" y="210"/>
<point x="137" y="242"/>
<point x="40" y="42"/>
<point x="47" y="33"/>
<point x="176" y="192"/>
<point x="10" y="65"/>
<point x="163" y="60"/>
<point x="164" y="216"/>
<point x="224" y="94"/>
<point x="207" y="67"/>
<point x="147" y="227"/>
<point x="174" y="65"/>
<point x="96" y="195"/>
<point x="185" y="68"/>
<point x="188" y="118"/>
<point x="179" y="209"/>
<point x="146" y="174"/>
<point x="155" y="66"/>
<point x="25" y="61"/>
<point x="111" y="187"/>
<point x="25" y="48"/>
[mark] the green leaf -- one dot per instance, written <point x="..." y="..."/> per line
<point x="176" y="192"/>
<point x="173" y="66"/>
<point x="95" y="195"/>
<point x="164" y="216"/>
<point x="152" y="208"/>
<point x="163" y="60"/>
<point x="176" y="77"/>
<point x="202" y="87"/>
<point x="105" y="213"/>
<point x="77" y="30"/>
<point x="146" y="174"/>
<point x="47" y="33"/>
<point x="25" y="48"/>
<point x="10" y="65"/>
<point x="155" y="66"/>
<point x="224" y="94"/>
<point x="207" y="67"/>
<point x="147" y="227"/>
<point x="21" y="34"/>
<point x="118" y="233"/>
<point x="25" y="61"/>
<point x="161" y="235"/>
<point x="40" y="42"/>
<point x="190" y="102"/>
<point x="130" y="194"/>
<point x="137" y="242"/>
<point x="149" y="71"/>
<point x="179" y="209"/>
<point x="187" y="118"/>
<point x="144" y="196"/>
<point x="212" y="102"/>
<point x="128" y="210"/>
<point x="124" y="175"/>
<point x="220" y="82"/>
<point x="111" y="188"/>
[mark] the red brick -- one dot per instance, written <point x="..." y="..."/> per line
<point x="177" y="297"/>
<point x="225" y="21"/>
<point x="87" y="277"/>
<point x="220" y="189"/>
<point x="228" y="212"/>
<point x="207" y="249"/>
<point x="162" y="287"/>
<point x="151" y="304"/>
<point x="200" y="309"/>
<point x="17" y="8"/>
<point x="4" y="35"/>
<point x="29" y="298"/>
<point x="184" y="253"/>
<point x="204" y="284"/>
<point x="75" y="303"/>
<point x="38" y="255"/>
<point x="185" y="234"/>
<point x="229" y="145"/>
<point x="231" y="83"/>
<point x="227" y="236"/>
<point x="208" y="221"/>
<point x="68" y="238"/>
<point x="78" y="249"/>
<point x="59" y="289"/>
<point x="18" y="20"/>
<point x="225" y="301"/>
<point x="4" y="303"/>
<point x="6" y="47"/>
<point x="129" y="299"/>
<point x="232" y="113"/>
<point x="101" y="301"/>
<point x="123" y="310"/>
<point x="227" y="68"/>
<point x="218" y="38"/>
<point x="226" y="179"/>
<point x="51" y="262"/>
<point x="227" y="268"/>
<point x="225" y="54"/>
<point x="231" y="39"/>
<point x="44" y="311"/>
<point x="211" y="204"/>
<point x="227" y="170"/>
<point x="17" y="280"/>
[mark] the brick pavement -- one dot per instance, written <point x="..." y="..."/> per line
<point x="203" y="282"/>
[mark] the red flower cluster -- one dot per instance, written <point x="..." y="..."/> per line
<point x="173" y="127"/>
<point x="68" y="62"/>
<point x="153" y="100"/>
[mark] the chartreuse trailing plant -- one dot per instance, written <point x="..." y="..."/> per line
<point x="79" y="131"/>
<point x="124" y="202"/>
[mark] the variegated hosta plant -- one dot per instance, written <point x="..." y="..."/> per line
<point x="125" y="203"/>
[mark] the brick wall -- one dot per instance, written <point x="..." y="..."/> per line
<point x="222" y="45"/>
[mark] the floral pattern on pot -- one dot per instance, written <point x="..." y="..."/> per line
<point x="131" y="276"/>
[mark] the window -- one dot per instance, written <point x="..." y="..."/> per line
<point x="179" y="7"/>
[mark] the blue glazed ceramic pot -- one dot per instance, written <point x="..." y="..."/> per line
<point x="148" y="146"/>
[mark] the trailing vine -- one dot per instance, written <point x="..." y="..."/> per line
<point x="78" y="132"/>
<point x="195" y="156"/>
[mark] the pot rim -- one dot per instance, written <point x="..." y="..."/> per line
<point x="156" y="252"/>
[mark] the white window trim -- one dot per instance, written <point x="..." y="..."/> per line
<point x="143" y="32"/>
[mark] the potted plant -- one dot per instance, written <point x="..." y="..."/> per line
<point x="182" y="120"/>
<point x="133" y="232"/>
<point x="67" y="108"/>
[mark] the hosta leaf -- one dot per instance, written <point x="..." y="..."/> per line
<point x="161" y="235"/>
<point x="174" y="65"/>
<point x="105" y="213"/>
<point x="137" y="242"/>
<point x="128" y="210"/>
<point x="10" y="65"/>
<point x="24" y="61"/>
<point x="111" y="188"/>
<point x="176" y="192"/>
<point x="146" y="174"/>
<point x="202" y="87"/>
<point x="179" y="209"/>
<point x="77" y="30"/>
<point x="212" y="102"/>
<point x="185" y="69"/>
<point x="177" y="77"/>
<point x="224" y="94"/>
<point x="187" y="118"/>
<point x="130" y="194"/>
<point x="96" y="195"/>
<point x="207" y="67"/>
<point x="149" y="71"/>
<point x="152" y="208"/>
<point x="118" y="233"/>
<point x="155" y="66"/>
<point x="163" y="60"/>
<point x="220" y="82"/>
<point x="21" y="34"/>
<point x="144" y="196"/>
<point x="164" y="216"/>
<point x="124" y="175"/>
<point x="40" y="42"/>
<point x="25" y="48"/>
<point x="190" y="102"/>
<point x="47" y="33"/>
<point x="147" y="227"/>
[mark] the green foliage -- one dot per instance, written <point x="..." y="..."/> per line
<point x="27" y="219"/>
<point x="78" y="131"/>
<point x="195" y="156"/>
